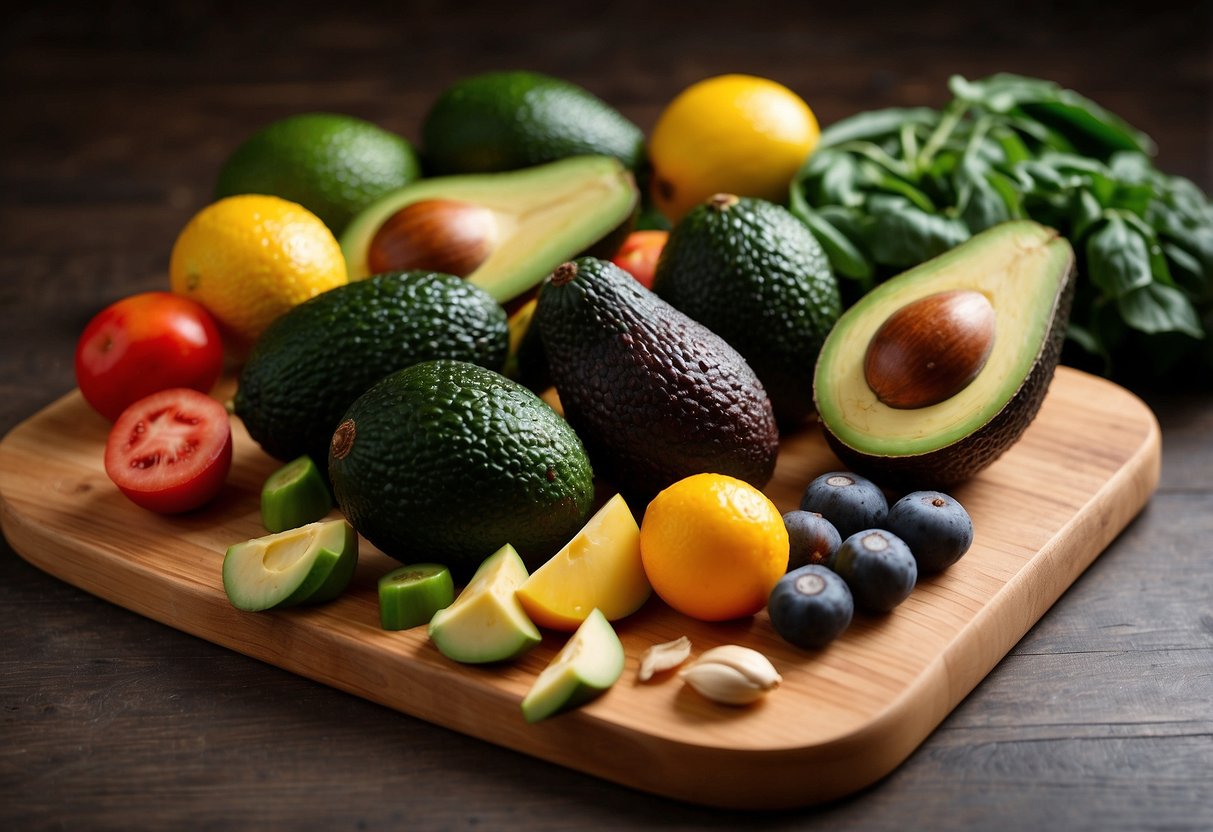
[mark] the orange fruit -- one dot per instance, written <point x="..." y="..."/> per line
<point x="713" y="547"/>
<point x="735" y="134"/>
<point x="250" y="258"/>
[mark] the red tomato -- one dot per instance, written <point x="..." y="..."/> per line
<point x="639" y="253"/>
<point x="144" y="343"/>
<point x="170" y="452"/>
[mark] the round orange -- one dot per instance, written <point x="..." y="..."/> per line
<point x="713" y="547"/>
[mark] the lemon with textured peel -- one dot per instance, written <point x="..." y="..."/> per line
<point x="250" y="258"/>
<point x="713" y="547"/>
<point x="736" y="134"/>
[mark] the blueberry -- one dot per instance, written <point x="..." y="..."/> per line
<point x="810" y="606"/>
<point x="813" y="538"/>
<point x="936" y="528"/>
<point x="878" y="568"/>
<point x="847" y="500"/>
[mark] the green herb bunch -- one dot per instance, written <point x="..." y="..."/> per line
<point x="888" y="189"/>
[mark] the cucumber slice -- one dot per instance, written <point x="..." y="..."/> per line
<point x="294" y="495"/>
<point x="410" y="595"/>
<point x="588" y="664"/>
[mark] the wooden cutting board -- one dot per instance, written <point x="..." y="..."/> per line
<point x="844" y="716"/>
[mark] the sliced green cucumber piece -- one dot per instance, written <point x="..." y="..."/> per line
<point x="293" y="495"/>
<point x="410" y="595"/>
<point x="486" y="623"/>
<point x="307" y="565"/>
<point x="588" y="664"/>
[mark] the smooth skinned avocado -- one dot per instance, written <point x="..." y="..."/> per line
<point x="514" y="119"/>
<point x="502" y="231"/>
<point x="935" y="373"/>
<point x="332" y="164"/>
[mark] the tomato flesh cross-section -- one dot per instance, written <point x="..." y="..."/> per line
<point x="171" y="451"/>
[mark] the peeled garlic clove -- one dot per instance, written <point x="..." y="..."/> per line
<point x="664" y="656"/>
<point x="732" y="675"/>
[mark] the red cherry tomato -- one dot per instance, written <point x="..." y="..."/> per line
<point x="171" y="451"/>
<point x="144" y="343"/>
<point x="639" y="253"/>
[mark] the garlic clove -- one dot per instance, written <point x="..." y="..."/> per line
<point x="664" y="656"/>
<point x="732" y="675"/>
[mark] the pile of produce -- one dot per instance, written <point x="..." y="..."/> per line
<point x="457" y="353"/>
<point x="889" y="189"/>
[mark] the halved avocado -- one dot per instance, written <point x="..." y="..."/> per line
<point x="977" y="331"/>
<point x="504" y="232"/>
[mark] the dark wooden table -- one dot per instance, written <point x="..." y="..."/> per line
<point x="116" y="117"/>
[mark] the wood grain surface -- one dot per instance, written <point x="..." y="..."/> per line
<point x="117" y="116"/>
<point x="842" y="718"/>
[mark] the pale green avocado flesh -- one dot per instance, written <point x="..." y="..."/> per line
<point x="588" y="664"/>
<point x="1025" y="270"/>
<point x="306" y="565"/>
<point x="486" y="623"/>
<point x="542" y="217"/>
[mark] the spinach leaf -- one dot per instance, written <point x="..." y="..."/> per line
<point x="876" y="124"/>
<point x="902" y="235"/>
<point x="1117" y="258"/>
<point x="1155" y="308"/>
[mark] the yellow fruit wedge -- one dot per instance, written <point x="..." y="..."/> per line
<point x="599" y="568"/>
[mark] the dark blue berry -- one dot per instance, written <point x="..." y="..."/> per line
<point x="847" y="500"/>
<point x="878" y="567"/>
<point x="811" y="538"/>
<point x="936" y="528"/>
<point x="810" y="606"/>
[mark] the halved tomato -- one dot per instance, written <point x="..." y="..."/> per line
<point x="171" y="451"/>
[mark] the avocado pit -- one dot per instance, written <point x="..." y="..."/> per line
<point x="441" y="235"/>
<point x="930" y="349"/>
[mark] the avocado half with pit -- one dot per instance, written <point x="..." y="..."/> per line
<point x="504" y="232"/>
<point x="932" y="375"/>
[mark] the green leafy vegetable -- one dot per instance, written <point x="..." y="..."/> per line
<point x="888" y="189"/>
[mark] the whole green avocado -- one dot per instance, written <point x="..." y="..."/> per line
<point x="507" y="120"/>
<point x="754" y="274"/>
<point x="654" y="395"/>
<point x="446" y="461"/>
<point x="310" y="364"/>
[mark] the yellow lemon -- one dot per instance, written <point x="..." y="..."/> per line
<point x="735" y="134"/>
<point x="250" y="258"/>
<point x="713" y="547"/>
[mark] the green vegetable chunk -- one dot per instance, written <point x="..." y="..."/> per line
<point x="294" y="495"/>
<point x="409" y="596"/>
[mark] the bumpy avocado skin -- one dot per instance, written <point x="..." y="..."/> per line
<point x="514" y="119"/>
<point x="446" y="461"/>
<point x="754" y="274"/>
<point x="314" y="361"/>
<point x="654" y="395"/>
<point x="964" y="459"/>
